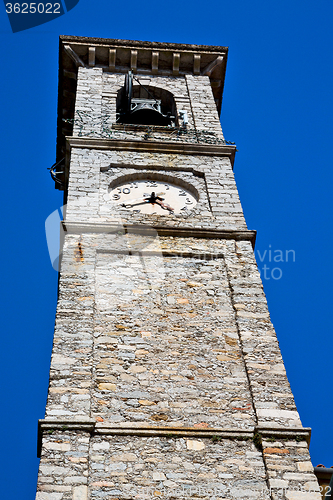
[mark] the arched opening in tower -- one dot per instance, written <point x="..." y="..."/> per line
<point x="145" y="105"/>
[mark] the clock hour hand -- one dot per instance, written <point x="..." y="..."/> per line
<point x="165" y="206"/>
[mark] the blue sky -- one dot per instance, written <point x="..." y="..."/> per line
<point x="277" y="107"/>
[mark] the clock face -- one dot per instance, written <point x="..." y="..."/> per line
<point x="153" y="197"/>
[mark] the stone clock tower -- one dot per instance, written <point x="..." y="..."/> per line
<point x="166" y="376"/>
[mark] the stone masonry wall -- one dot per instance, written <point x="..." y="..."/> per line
<point x="203" y="298"/>
<point x="163" y="327"/>
<point x="75" y="465"/>
<point x="175" y="468"/>
<point x="164" y="333"/>
<point x="270" y="389"/>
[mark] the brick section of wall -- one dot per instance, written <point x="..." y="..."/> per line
<point x="205" y="309"/>
<point x="83" y="189"/>
<point x="147" y="341"/>
<point x="150" y="338"/>
<point x="111" y="84"/>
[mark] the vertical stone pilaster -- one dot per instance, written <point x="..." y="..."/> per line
<point x="272" y="396"/>
<point x="83" y="187"/>
<point x="289" y="470"/>
<point x="111" y="85"/>
<point x="285" y="450"/>
<point x="71" y="366"/>
<point x="223" y="194"/>
<point x="64" y="465"/>
<point x="203" y="106"/>
<point x="88" y="103"/>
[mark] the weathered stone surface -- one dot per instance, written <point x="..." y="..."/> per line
<point x="80" y="493"/>
<point x="305" y="466"/>
<point x="169" y="464"/>
<point x="42" y="495"/>
<point x="195" y="445"/>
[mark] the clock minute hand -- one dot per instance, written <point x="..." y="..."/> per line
<point x="126" y="205"/>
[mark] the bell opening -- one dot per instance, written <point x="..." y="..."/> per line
<point x="146" y="105"/>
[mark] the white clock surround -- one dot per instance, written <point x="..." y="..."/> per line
<point x="181" y="178"/>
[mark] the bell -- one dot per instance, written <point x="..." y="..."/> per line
<point x="141" y="111"/>
<point x="148" y="112"/>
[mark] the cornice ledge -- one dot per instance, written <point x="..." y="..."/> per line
<point x="181" y="232"/>
<point x="91" y="426"/>
<point x="50" y="425"/>
<point x="284" y="432"/>
<point x="153" y="146"/>
<point x="173" y="431"/>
